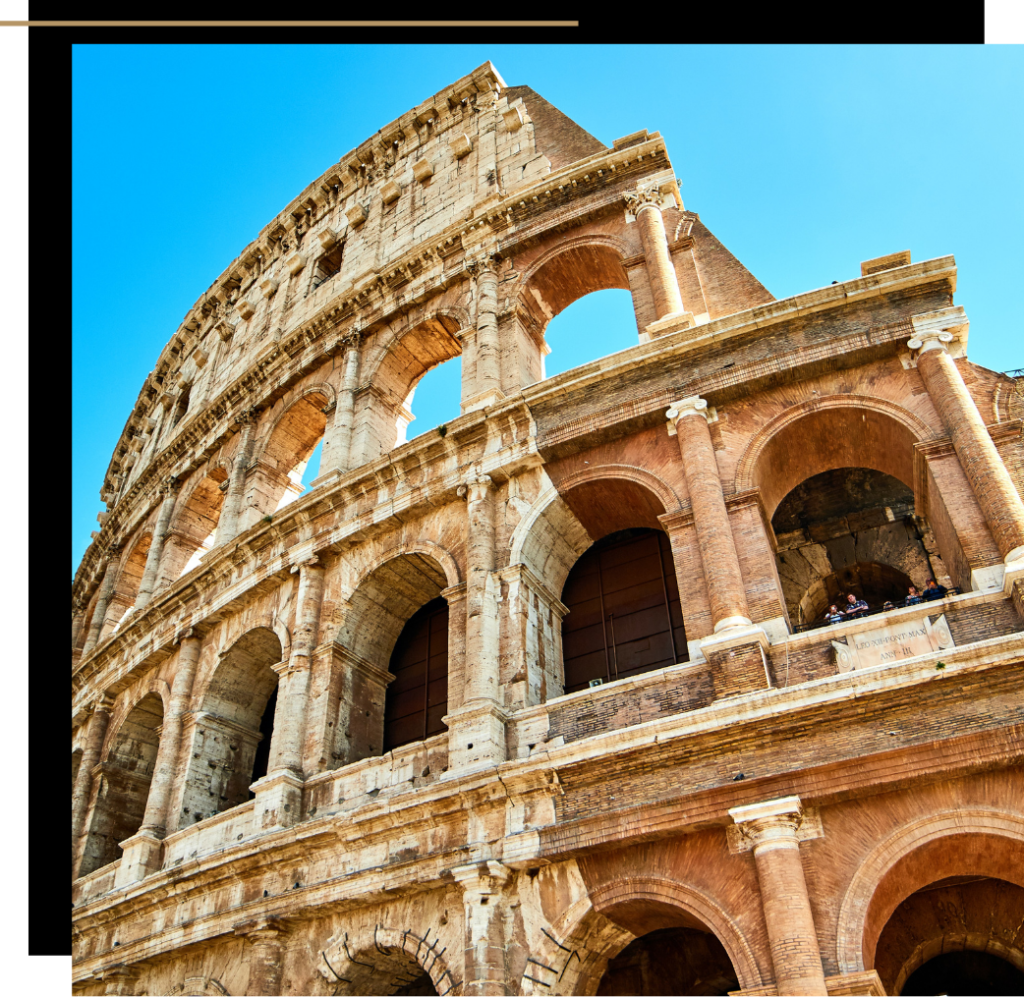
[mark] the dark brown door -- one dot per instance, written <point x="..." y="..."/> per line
<point x="624" y="614"/>
<point x="418" y="697"/>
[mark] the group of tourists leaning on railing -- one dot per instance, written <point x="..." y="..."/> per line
<point x="852" y="607"/>
<point x="855" y="607"/>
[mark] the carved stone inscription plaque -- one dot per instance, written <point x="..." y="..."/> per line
<point x="885" y="645"/>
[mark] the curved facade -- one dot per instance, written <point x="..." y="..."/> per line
<point x="735" y="797"/>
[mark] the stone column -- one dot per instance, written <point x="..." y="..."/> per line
<point x="279" y="797"/>
<point x="488" y="345"/>
<point x="266" y="936"/>
<point x="113" y="559"/>
<point x="710" y="516"/>
<point x="156" y="547"/>
<point x="83" y="783"/>
<point x="736" y="648"/>
<point x="227" y="525"/>
<point x="772" y="829"/>
<point x="337" y="450"/>
<point x="484" y="911"/>
<point x="77" y="621"/>
<point x="646" y="205"/>
<point x="478" y="728"/>
<point x="142" y="850"/>
<point x="121" y="980"/>
<point x="991" y="482"/>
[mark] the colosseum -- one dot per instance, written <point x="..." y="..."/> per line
<point x="371" y="736"/>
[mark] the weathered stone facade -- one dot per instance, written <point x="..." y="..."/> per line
<point x="772" y="812"/>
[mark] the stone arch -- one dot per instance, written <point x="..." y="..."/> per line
<point x="127" y="764"/>
<point x="392" y="589"/>
<point x="560" y="525"/>
<point x="285" y="446"/>
<point x="770" y="463"/>
<point x="589" y="930"/>
<point x="890" y="872"/>
<point x="384" y="963"/>
<point x="571" y="269"/>
<point x="156" y="687"/>
<point x="395" y="363"/>
<point x="193" y="526"/>
<point x="225" y="730"/>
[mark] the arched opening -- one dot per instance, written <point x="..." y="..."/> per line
<point x="128" y="581"/>
<point x="122" y="788"/>
<point x="676" y="960"/>
<point x="592" y="327"/>
<point x="181" y="405"/>
<point x="850" y="530"/>
<point x="624" y="613"/>
<point x="957" y="935"/>
<point x="233" y="728"/>
<point x="417" y="698"/>
<point x="276" y="479"/>
<point x="194" y="528"/>
<point x="397" y="365"/>
<point x="393" y="635"/>
<point x="432" y="401"/>
<point x="965" y="972"/>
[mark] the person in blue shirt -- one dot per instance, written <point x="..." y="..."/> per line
<point x="913" y="597"/>
<point x="934" y="591"/>
<point x="855" y="606"/>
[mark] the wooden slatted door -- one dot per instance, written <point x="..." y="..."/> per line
<point x="418" y="697"/>
<point x="624" y="613"/>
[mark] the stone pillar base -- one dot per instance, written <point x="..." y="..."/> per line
<point x="483" y="399"/>
<point x="738" y="660"/>
<point x="476" y="738"/>
<point x="142" y="856"/>
<point x="865" y="982"/>
<point x="278" y="800"/>
<point x="670" y="323"/>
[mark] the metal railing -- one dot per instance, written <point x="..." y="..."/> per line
<point x="863" y="614"/>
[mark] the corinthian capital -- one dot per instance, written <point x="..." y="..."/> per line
<point x="639" y="199"/>
<point x="476" y="487"/>
<point x="780" y="823"/>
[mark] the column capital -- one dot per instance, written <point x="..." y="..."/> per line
<point x="637" y="200"/>
<point x="780" y="823"/>
<point x="933" y="330"/>
<point x="352" y="338"/>
<point x="694" y="405"/>
<point x="170" y="485"/>
<point x="262" y="929"/>
<point x="475" y="487"/>
<point x="307" y="564"/>
<point x="480" y="879"/>
<point x="188" y="633"/>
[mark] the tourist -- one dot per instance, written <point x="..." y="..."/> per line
<point x="933" y="591"/>
<point x="855" y="606"/>
<point x="833" y="615"/>
<point x="887" y="605"/>
<point x="913" y="597"/>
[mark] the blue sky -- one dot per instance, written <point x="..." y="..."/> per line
<point x="802" y="160"/>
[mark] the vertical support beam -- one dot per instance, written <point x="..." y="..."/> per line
<point x="266" y="935"/>
<point x="169" y="490"/>
<point x="991" y="482"/>
<point x="772" y="829"/>
<point x="142" y="851"/>
<point x="83" y="783"/>
<point x="646" y="205"/>
<point x="710" y="517"/>
<point x="488" y="345"/>
<point x="736" y="648"/>
<point x="477" y="729"/>
<point x="337" y="450"/>
<point x="482" y="884"/>
<point x="227" y="526"/>
<point x="113" y="561"/>
<point x="279" y="793"/>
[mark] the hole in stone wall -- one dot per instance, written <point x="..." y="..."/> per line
<point x="261" y="760"/>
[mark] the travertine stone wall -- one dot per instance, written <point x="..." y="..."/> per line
<point x="530" y="844"/>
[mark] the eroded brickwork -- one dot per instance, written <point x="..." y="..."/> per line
<point x="781" y="809"/>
